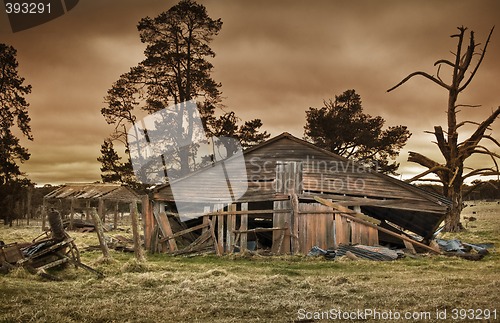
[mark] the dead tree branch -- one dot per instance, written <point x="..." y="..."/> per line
<point x="428" y="76"/>
<point x="479" y="62"/>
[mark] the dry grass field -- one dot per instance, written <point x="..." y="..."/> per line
<point x="262" y="289"/>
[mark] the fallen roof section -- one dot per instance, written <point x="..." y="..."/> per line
<point x="93" y="191"/>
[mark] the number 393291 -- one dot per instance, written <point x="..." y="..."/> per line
<point x="27" y="7"/>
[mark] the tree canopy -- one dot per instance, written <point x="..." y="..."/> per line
<point x="176" y="69"/>
<point x="14" y="115"/>
<point x="341" y="127"/>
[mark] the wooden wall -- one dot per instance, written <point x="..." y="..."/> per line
<point x="317" y="225"/>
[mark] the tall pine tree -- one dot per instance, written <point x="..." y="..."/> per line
<point x="13" y="114"/>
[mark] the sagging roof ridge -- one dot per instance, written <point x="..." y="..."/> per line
<point x="427" y="195"/>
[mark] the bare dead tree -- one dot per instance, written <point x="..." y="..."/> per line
<point x="453" y="172"/>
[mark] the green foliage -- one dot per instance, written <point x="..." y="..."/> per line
<point x="340" y="126"/>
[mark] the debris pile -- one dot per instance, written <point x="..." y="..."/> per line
<point x="44" y="252"/>
<point x="453" y="247"/>
<point x="358" y="252"/>
<point x="464" y="250"/>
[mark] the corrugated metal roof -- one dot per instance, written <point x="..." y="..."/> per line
<point x="93" y="191"/>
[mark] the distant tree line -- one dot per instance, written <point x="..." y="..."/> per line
<point x="477" y="190"/>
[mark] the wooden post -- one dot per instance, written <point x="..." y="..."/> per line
<point x="206" y="210"/>
<point x="115" y="215"/>
<point x="211" y="222"/>
<point x="71" y="213"/>
<point x="139" y="253"/>
<point x="220" y="227"/>
<point x="294" y="201"/>
<point x="101" y="210"/>
<point x="281" y="240"/>
<point x="147" y="216"/>
<point x="244" y="227"/>
<point x="100" y="233"/>
<point x="87" y="210"/>
<point x="230" y="226"/>
<point x="288" y="181"/>
<point x="164" y="224"/>
<point x="28" y="205"/>
<point x="44" y="214"/>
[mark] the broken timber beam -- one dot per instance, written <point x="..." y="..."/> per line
<point x="183" y="232"/>
<point x="389" y="232"/>
<point x="100" y="234"/>
<point x="346" y="210"/>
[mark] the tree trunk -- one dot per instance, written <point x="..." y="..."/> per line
<point x="452" y="218"/>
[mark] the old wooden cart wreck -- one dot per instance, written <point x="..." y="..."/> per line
<point x="280" y="213"/>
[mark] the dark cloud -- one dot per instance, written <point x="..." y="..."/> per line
<point x="275" y="59"/>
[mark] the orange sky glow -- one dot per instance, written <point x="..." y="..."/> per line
<point x="275" y="59"/>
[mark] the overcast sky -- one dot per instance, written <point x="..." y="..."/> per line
<point x="275" y="59"/>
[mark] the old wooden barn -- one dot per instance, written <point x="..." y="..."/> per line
<point x="279" y="212"/>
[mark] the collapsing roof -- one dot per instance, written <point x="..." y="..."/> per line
<point x="93" y="191"/>
<point x="318" y="172"/>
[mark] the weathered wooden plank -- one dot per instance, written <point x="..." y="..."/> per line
<point x="217" y="248"/>
<point x="341" y="230"/>
<point x="372" y="236"/>
<point x="220" y="228"/>
<point x="261" y="230"/>
<point x="302" y="231"/>
<point x="101" y="210"/>
<point x="138" y="252"/>
<point x="230" y="226"/>
<point x="206" y="211"/>
<point x="100" y="233"/>
<point x="311" y="231"/>
<point x="330" y="227"/>
<point x="294" y="201"/>
<point x="279" y="220"/>
<point x="355" y="233"/>
<point x="346" y="210"/>
<point x="244" y="227"/>
<point x="410" y="247"/>
<point x="72" y="213"/>
<point x="389" y="232"/>
<point x="147" y="214"/>
<point x="186" y="231"/>
<point x="153" y="245"/>
<point x="221" y="212"/>
<point x="166" y="229"/>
